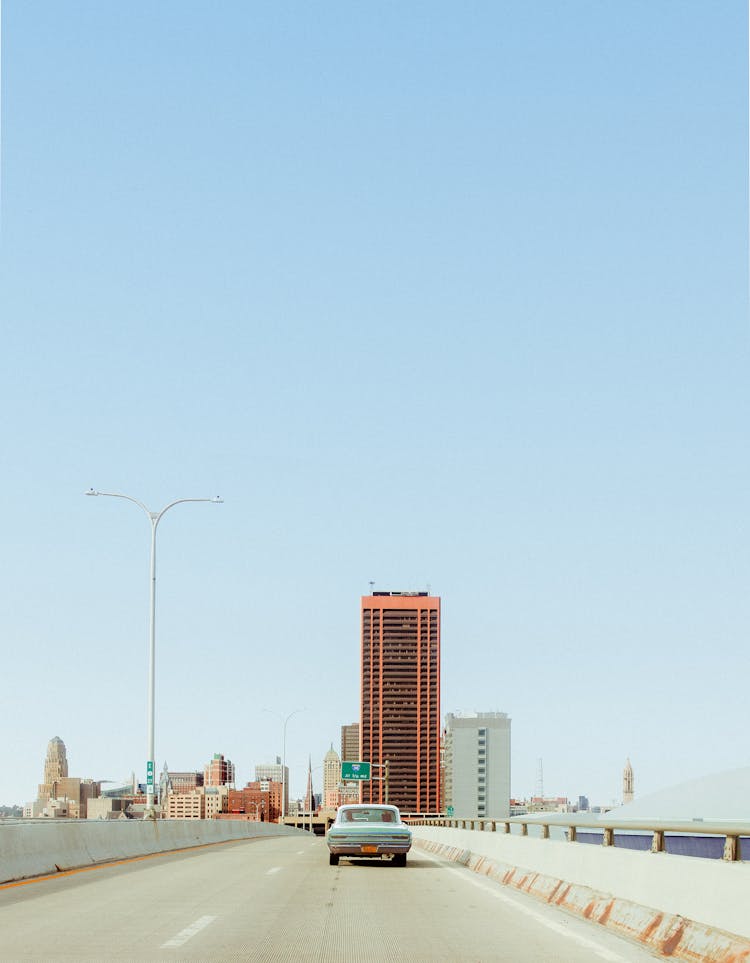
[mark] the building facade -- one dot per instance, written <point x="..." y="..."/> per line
<point x="350" y="743"/>
<point x="275" y="772"/>
<point x="218" y="772"/>
<point x="259" y="800"/>
<point x="185" y="805"/>
<point x="477" y="765"/>
<point x="185" y="781"/>
<point x="400" y="698"/>
<point x="331" y="779"/>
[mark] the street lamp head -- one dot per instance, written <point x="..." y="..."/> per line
<point x="217" y="500"/>
<point x="92" y="491"/>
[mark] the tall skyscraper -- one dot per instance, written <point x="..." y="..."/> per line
<point x="400" y="698"/>
<point x="477" y="765"/>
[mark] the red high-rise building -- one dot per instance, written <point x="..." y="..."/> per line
<point x="400" y="698"/>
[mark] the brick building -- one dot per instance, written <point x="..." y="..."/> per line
<point x="400" y="698"/>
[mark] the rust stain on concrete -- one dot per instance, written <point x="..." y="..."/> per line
<point x="673" y="941"/>
<point x="564" y="895"/>
<point x="554" y="891"/>
<point x="646" y="933"/>
<point x="604" y="918"/>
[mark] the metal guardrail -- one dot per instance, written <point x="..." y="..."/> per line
<point x="572" y="822"/>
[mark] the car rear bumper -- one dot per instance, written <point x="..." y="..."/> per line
<point x="366" y="851"/>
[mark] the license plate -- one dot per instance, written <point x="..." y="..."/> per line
<point x="369" y="849"/>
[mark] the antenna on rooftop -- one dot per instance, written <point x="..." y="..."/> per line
<point x="540" y="778"/>
<point x="372" y="586"/>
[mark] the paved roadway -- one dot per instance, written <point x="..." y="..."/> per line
<point x="278" y="899"/>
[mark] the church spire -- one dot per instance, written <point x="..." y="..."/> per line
<point x="627" y="783"/>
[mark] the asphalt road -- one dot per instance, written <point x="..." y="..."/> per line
<point x="278" y="899"/>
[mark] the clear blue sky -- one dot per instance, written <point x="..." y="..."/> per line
<point x="446" y="294"/>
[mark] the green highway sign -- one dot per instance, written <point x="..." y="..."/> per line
<point x="355" y="770"/>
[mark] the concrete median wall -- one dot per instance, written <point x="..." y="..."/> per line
<point x="38" y="847"/>
<point x="681" y="906"/>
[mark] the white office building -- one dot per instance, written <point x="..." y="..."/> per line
<point x="477" y="765"/>
<point x="274" y="772"/>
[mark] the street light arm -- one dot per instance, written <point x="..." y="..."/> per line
<point x="128" y="498"/>
<point x="156" y="516"/>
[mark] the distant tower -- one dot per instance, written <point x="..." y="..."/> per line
<point x="331" y="778"/>
<point x="55" y="769"/>
<point x="56" y="763"/>
<point x="540" y="779"/>
<point x="309" y="795"/>
<point x="627" y="783"/>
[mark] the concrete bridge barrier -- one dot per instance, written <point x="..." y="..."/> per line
<point x="39" y="847"/>
<point x="680" y="906"/>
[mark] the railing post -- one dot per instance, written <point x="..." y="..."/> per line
<point x="545" y="830"/>
<point x="493" y="826"/>
<point x="608" y="838"/>
<point x="657" y="843"/>
<point x="481" y="825"/>
<point x="524" y="829"/>
<point x="732" y="848"/>
<point x="506" y="828"/>
<point x="572" y="834"/>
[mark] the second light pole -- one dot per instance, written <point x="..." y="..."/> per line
<point x="283" y="756"/>
<point x="154" y="518"/>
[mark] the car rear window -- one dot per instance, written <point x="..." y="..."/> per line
<point x="368" y="816"/>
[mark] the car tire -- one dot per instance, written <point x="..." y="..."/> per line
<point x="333" y="860"/>
<point x="399" y="859"/>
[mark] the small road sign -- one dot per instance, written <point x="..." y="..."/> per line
<point x="355" y="770"/>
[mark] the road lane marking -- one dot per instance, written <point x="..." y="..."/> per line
<point x="272" y="870"/>
<point x="538" y="917"/>
<point x="188" y="933"/>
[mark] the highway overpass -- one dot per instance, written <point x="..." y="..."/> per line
<point x="273" y="896"/>
<point x="278" y="899"/>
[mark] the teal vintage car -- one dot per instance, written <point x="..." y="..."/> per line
<point x="369" y="832"/>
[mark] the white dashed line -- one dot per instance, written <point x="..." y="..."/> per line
<point x="540" y="918"/>
<point x="272" y="870"/>
<point x="184" y="935"/>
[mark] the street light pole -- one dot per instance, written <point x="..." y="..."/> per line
<point x="154" y="519"/>
<point x="283" y="756"/>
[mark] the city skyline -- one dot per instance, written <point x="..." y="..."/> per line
<point x="448" y="298"/>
